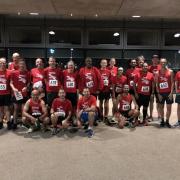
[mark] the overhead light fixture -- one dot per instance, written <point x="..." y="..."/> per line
<point x="51" y="32"/>
<point x="34" y="14"/>
<point x="52" y="51"/>
<point x="136" y="16"/>
<point x="19" y="13"/>
<point x="71" y="14"/>
<point x="96" y="15"/>
<point x="177" y="35"/>
<point x="116" y="34"/>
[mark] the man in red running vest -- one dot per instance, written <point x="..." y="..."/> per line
<point x="124" y="112"/>
<point x="35" y="112"/>
<point x="165" y="87"/>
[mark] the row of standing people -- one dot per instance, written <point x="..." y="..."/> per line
<point x="143" y="81"/>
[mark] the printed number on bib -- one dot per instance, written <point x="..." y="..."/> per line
<point x="53" y="83"/>
<point x="106" y="82"/>
<point x="2" y="87"/>
<point x="90" y="84"/>
<point x="125" y="107"/>
<point x="36" y="114"/>
<point x="70" y="84"/>
<point x="145" y="89"/>
<point x="18" y="96"/>
<point x="61" y="113"/>
<point x="163" y="85"/>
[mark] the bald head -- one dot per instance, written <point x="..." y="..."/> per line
<point x="2" y="63"/>
<point x="15" y="57"/>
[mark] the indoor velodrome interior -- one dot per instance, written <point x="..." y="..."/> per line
<point x="100" y="29"/>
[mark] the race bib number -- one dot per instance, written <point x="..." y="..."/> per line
<point x="145" y="89"/>
<point x="61" y="113"/>
<point x="53" y="83"/>
<point x="70" y="84"/>
<point x="106" y="82"/>
<point x="89" y="84"/>
<point x="126" y="107"/>
<point x="38" y="84"/>
<point x="18" y="96"/>
<point x="163" y="85"/>
<point x="3" y="87"/>
<point x="131" y="83"/>
<point x="118" y="89"/>
<point x="36" y="114"/>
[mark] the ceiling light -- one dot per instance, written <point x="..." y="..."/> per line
<point x="52" y="51"/>
<point x="34" y="14"/>
<point x="51" y="32"/>
<point x="71" y="14"/>
<point x="177" y="35"/>
<point x="96" y="15"/>
<point x="19" y="13"/>
<point x="136" y="16"/>
<point x="116" y="34"/>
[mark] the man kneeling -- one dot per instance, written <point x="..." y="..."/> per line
<point x="124" y="113"/>
<point x="86" y="111"/>
<point x="35" y="112"/>
<point x="61" y="111"/>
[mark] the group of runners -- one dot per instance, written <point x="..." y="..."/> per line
<point x="60" y="98"/>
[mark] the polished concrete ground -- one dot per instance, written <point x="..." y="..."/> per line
<point x="146" y="153"/>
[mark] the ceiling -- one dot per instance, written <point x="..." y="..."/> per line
<point x="105" y="9"/>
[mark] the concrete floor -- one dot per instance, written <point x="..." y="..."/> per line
<point x="112" y="154"/>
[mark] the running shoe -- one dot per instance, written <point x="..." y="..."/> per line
<point x="90" y="133"/>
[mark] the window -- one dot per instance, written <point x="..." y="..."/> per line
<point x="66" y="36"/>
<point x="25" y="35"/>
<point x="141" y="38"/>
<point x="103" y="37"/>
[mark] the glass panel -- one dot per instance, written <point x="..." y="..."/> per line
<point x="25" y="35"/>
<point x="103" y="37"/>
<point x="66" y="36"/>
<point x="170" y="40"/>
<point x="141" y="38"/>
